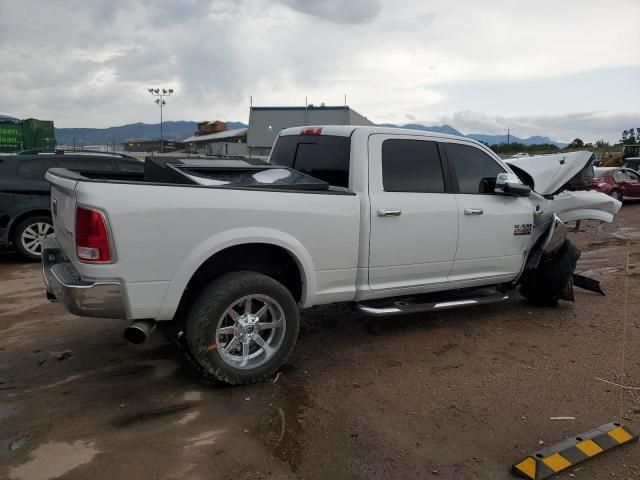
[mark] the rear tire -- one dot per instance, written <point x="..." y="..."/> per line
<point x="29" y="234"/>
<point x="242" y="328"/>
<point x="544" y="285"/>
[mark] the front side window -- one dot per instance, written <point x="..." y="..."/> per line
<point x="633" y="176"/>
<point x="475" y="170"/>
<point x="411" y="166"/>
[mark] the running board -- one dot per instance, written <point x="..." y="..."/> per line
<point x="424" y="304"/>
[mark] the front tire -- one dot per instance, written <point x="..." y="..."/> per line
<point x="242" y="327"/>
<point x="544" y="285"/>
<point x="28" y="236"/>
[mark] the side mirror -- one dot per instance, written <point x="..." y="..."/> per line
<point x="510" y="184"/>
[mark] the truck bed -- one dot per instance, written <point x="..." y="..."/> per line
<point x="224" y="173"/>
<point x="162" y="232"/>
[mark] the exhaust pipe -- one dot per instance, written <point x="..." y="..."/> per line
<point x="139" y="330"/>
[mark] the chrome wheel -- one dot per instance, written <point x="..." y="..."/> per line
<point x="617" y="195"/>
<point x="250" y="331"/>
<point x="32" y="236"/>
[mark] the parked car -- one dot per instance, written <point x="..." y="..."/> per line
<point x="25" y="206"/>
<point x="393" y="220"/>
<point x="620" y="183"/>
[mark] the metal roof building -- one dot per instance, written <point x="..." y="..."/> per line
<point x="266" y="122"/>
<point x="227" y="136"/>
<point x="228" y="142"/>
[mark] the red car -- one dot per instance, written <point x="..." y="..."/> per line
<point x="620" y="183"/>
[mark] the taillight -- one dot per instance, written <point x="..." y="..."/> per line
<point x="92" y="238"/>
<point x="311" y="131"/>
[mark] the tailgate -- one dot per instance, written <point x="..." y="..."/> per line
<point x="63" y="211"/>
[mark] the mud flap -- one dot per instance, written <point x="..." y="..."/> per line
<point x="587" y="283"/>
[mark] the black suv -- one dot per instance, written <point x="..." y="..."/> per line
<point x="25" y="217"/>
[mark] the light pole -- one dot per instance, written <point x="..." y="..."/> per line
<point x="161" y="93"/>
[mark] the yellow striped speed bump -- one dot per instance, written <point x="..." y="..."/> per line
<point x="551" y="460"/>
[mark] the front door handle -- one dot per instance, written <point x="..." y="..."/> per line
<point x="391" y="212"/>
<point x="473" y="211"/>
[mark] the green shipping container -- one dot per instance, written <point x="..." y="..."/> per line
<point x="30" y="134"/>
<point x="11" y="138"/>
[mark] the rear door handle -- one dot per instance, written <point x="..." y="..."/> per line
<point x="390" y="212"/>
<point x="473" y="211"/>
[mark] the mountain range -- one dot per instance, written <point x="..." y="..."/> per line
<point x="481" y="137"/>
<point x="182" y="129"/>
<point x="106" y="136"/>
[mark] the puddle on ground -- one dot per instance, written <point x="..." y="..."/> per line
<point x="149" y="415"/>
<point x="192" y="396"/>
<point x="7" y="410"/>
<point x="164" y="368"/>
<point x="281" y="425"/>
<point x="53" y="459"/>
<point x="188" y="418"/>
<point x="206" y="438"/>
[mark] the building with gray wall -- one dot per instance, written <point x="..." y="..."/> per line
<point x="228" y="142"/>
<point x="266" y="122"/>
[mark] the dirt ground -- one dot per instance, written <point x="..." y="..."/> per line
<point x="461" y="394"/>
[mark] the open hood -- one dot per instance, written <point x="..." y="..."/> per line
<point x="551" y="172"/>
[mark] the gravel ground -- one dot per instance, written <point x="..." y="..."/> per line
<point x="457" y="395"/>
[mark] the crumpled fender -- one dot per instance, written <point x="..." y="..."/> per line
<point x="583" y="205"/>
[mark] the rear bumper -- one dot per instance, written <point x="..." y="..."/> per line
<point x="103" y="299"/>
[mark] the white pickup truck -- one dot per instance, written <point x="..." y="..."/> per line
<point x="392" y="220"/>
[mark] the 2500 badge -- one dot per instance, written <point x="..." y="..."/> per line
<point x="523" y="229"/>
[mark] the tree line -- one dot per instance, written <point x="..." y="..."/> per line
<point x="628" y="137"/>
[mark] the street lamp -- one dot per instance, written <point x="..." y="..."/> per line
<point x="161" y="93"/>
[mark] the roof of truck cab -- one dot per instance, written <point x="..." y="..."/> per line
<point x="347" y="130"/>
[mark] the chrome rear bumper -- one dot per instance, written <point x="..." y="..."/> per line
<point x="103" y="299"/>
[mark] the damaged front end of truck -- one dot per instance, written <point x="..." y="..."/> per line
<point x="557" y="198"/>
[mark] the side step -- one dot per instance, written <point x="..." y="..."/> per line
<point x="430" y="302"/>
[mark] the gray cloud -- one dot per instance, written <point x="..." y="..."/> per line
<point x="90" y="63"/>
<point x="338" y="11"/>
<point x="142" y="64"/>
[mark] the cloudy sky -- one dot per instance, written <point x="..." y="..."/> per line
<point x="560" y="68"/>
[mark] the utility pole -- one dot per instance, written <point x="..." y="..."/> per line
<point x="161" y="93"/>
<point x="508" y="139"/>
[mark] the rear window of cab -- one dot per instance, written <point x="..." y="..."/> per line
<point x="325" y="157"/>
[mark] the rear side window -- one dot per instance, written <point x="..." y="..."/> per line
<point x="325" y="157"/>
<point x="35" y="168"/>
<point x="88" y="163"/>
<point x="476" y="171"/>
<point x="411" y="166"/>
